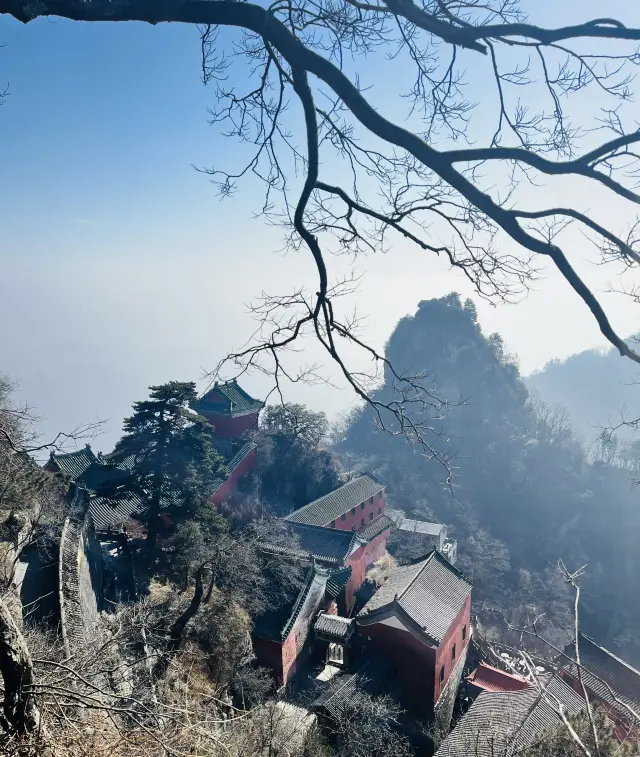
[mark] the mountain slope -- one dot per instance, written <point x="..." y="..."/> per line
<point x="595" y="386"/>
<point x="524" y="493"/>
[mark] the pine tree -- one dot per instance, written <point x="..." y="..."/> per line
<point x="168" y="450"/>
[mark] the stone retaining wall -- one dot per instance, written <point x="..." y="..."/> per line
<point x="79" y="582"/>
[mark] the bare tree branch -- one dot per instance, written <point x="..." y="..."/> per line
<point x="399" y="179"/>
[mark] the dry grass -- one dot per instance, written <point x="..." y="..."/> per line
<point x="382" y="568"/>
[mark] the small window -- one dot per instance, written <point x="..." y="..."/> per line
<point x="464" y="632"/>
<point x="442" y="674"/>
<point x="379" y="511"/>
<point x="343" y="517"/>
<point x="453" y="653"/>
<point x="362" y="505"/>
<point x="353" y="511"/>
<point x="371" y="516"/>
<point x="371" y="501"/>
<point x="362" y="523"/>
<point x="332" y="524"/>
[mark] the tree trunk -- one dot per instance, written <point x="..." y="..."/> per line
<point x="156" y="491"/>
<point x="178" y="628"/>
<point x="210" y="589"/>
<point x="20" y="708"/>
<point x="152" y="532"/>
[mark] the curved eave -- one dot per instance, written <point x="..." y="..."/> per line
<point x="394" y="609"/>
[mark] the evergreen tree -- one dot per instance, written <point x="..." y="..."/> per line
<point x="169" y="452"/>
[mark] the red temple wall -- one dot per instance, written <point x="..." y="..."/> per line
<point x="289" y="657"/>
<point x="232" y="426"/>
<point x="230" y="484"/>
<point x="269" y="653"/>
<point x="358" y="564"/>
<point x="360" y="513"/>
<point x="443" y="652"/>
<point x="414" y="661"/>
<point x="376" y="548"/>
<point x="279" y="656"/>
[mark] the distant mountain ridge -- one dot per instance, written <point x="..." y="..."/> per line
<point x="525" y="492"/>
<point x="595" y="387"/>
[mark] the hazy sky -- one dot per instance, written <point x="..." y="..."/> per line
<point x="120" y="266"/>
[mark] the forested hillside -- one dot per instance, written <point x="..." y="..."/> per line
<point x="524" y="494"/>
<point x="595" y="387"/>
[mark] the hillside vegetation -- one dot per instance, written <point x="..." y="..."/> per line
<point x="595" y="387"/>
<point x="524" y="494"/>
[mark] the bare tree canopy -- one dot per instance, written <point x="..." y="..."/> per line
<point x="442" y="174"/>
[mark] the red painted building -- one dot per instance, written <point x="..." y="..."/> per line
<point x="233" y="413"/>
<point x="238" y="465"/>
<point x="357" y="506"/>
<point x="350" y="507"/>
<point x="229" y="409"/>
<point x="342" y="548"/>
<point x="487" y="678"/>
<point x="282" y="637"/>
<point x="330" y="548"/>
<point x="419" y="619"/>
<point x="346" y="528"/>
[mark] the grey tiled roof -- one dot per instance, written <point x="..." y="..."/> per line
<point x="338" y="579"/>
<point x="92" y="472"/>
<point x="501" y="724"/>
<point x="106" y="512"/>
<point x="74" y="464"/>
<point x="89" y="470"/>
<point x="489" y="725"/>
<point x="544" y="713"/>
<point x="126" y="463"/>
<point x="333" y="625"/>
<point x="606" y="675"/>
<point x="298" y="604"/>
<point x="415" y="526"/>
<point x="322" y="511"/>
<point x="227" y="399"/>
<point x="431" y="592"/>
<point x="99" y="475"/>
<point x="326" y="544"/>
<point x="395" y="584"/>
<point x="375" y="527"/>
<point x="349" y="688"/>
<point x="436" y="596"/>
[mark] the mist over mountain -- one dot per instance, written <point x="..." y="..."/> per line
<point x="595" y="386"/>
<point x="525" y="493"/>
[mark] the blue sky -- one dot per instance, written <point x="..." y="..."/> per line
<point x="121" y="267"/>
